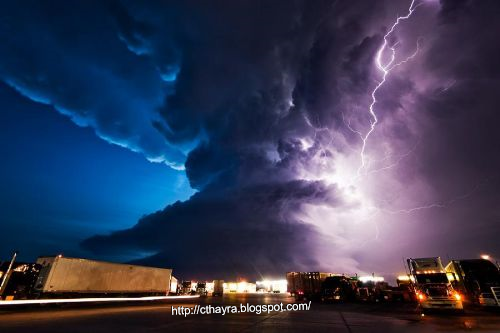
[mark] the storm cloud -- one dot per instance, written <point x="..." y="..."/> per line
<point x="264" y="104"/>
<point x="228" y="232"/>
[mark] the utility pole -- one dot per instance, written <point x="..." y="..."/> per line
<point x="7" y="274"/>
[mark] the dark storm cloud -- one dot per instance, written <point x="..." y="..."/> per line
<point x="69" y="56"/>
<point x="259" y="95"/>
<point x="238" y="83"/>
<point x="460" y="113"/>
<point x="462" y="146"/>
<point x="223" y="232"/>
<point x="253" y="80"/>
<point x="454" y="117"/>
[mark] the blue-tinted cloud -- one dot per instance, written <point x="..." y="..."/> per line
<point x="76" y="62"/>
<point x="264" y="106"/>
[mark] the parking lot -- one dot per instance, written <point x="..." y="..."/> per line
<point x="157" y="317"/>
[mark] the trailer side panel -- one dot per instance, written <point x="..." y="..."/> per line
<point x="73" y="275"/>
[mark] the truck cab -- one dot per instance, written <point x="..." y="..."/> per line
<point x="186" y="288"/>
<point x="477" y="279"/>
<point x="431" y="285"/>
<point x="201" y="289"/>
<point x="337" y="288"/>
<point x="218" y="288"/>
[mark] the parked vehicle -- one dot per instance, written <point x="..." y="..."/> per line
<point x="306" y="285"/>
<point x="186" y="288"/>
<point x="174" y="286"/>
<point x="62" y="276"/>
<point x="431" y="285"/>
<point x="477" y="279"/>
<point x="201" y="289"/>
<point x="404" y="291"/>
<point x="372" y="289"/>
<point x="218" y="288"/>
<point x="337" y="288"/>
<point x="21" y="280"/>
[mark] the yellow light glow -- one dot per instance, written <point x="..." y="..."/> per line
<point x="485" y="257"/>
<point x="451" y="276"/>
<point x="273" y="285"/>
<point x="241" y="287"/>
<point x="370" y="278"/>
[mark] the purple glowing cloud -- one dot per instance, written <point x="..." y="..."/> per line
<point x="328" y="136"/>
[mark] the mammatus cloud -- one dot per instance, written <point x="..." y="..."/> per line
<point x="272" y="97"/>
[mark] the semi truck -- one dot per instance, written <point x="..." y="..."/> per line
<point x="201" y="289"/>
<point x="21" y="280"/>
<point x="431" y="285"/>
<point x="306" y="285"/>
<point x="404" y="291"/>
<point x="174" y="286"/>
<point x="477" y="279"/>
<point x="218" y="288"/>
<point x="187" y="288"/>
<point x="373" y="289"/>
<point x="75" y="277"/>
<point x="338" y="288"/>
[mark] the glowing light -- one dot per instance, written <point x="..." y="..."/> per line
<point x="370" y="278"/>
<point x="306" y="143"/>
<point x="457" y="297"/>
<point x="173" y="284"/>
<point x="485" y="257"/>
<point x="403" y="278"/>
<point x="430" y="272"/>
<point x="239" y="287"/>
<point x="272" y="285"/>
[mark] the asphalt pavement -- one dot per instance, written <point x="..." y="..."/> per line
<point x="157" y="317"/>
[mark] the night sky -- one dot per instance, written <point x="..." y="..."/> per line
<point x="250" y="138"/>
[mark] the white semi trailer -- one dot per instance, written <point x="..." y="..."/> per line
<point x="62" y="276"/>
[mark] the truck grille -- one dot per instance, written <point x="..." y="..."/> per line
<point x="496" y="294"/>
<point x="437" y="292"/>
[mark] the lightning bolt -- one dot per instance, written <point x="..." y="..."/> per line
<point x="395" y="163"/>
<point x="385" y="65"/>
<point x="443" y="204"/>
<point x="385" y="68"/>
